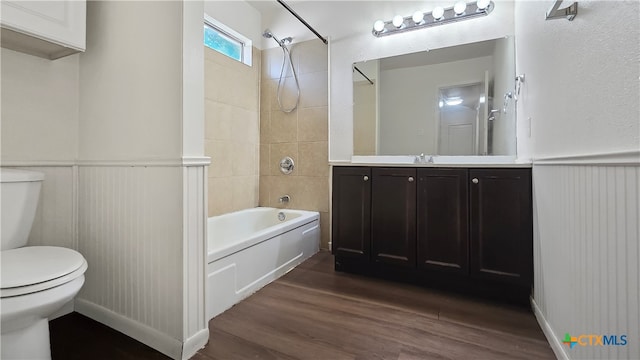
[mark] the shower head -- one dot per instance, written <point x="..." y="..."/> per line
<point x="286" y="41"/>
<point x="267" y="34"/>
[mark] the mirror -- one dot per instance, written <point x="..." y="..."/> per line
<point x="451" y="101"/>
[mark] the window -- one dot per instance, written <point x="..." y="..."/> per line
<point x="226" y="41"/>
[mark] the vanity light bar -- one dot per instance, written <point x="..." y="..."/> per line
<point x="439" y="16"/>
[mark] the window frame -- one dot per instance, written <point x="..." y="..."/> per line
<point x="245" y="42"/>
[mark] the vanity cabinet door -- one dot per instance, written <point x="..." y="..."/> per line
<point x="393" y="216"/>
<point x="443" y="227"/>
<point x="501" y="225"/>
<point x="351" y="212"/>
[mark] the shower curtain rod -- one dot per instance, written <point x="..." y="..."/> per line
<point x="361" y="73"/>
<point x="303" y="22"/>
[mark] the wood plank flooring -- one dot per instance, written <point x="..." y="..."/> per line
<point x="76" y="337"/>
<point x="316" y="313"/>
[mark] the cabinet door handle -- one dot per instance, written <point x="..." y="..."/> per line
<point x="410" y="178"/>
<point x="475" y="180"/>
<point x="365" y="178"/>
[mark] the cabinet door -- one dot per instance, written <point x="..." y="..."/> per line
<point x="61" y="24"/>
<point x="393" y="216"/>
<point x="443" y="230"/>
<point x="351" y="212"/>
<point x="501" y="224"/>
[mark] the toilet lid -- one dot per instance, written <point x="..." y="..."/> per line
<point x="37" y="265"/>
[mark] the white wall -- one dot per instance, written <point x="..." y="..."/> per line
<point x="581" y="94"/>
<point x="40" y="132"/>
<point x="141" y="212"/>
<point x="39" y="108"/>
<point x="118" y="132"/>
<point x="130" y="113"/>
<point x="131" y="81"/>
<point x="581" y="91"/>
<point x="363" y="46"/>
<point x="409" y="101"/>
<point x="192" y="79"/>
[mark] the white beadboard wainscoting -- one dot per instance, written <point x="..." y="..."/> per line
<point x="194" y="258"/>
<point x="586" y="252"/>
<point x="141" y="227"/>
<point x="130" y="231"/>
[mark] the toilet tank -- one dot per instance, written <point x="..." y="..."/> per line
<point x="19" y="194"/>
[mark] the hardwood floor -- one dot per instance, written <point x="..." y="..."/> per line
<point x="316" y="313"/>
<point x="76" y="337"/>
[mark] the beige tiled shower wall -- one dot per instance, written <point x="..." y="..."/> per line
<point x="301" y="134"/>
<point x="232" y="125"/>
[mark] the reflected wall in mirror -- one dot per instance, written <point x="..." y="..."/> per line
<point x="449" y="101"/>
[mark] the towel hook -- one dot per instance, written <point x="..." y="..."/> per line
<point x="507" y="96"/>
<point x="519" y="81"/>
<point x="569" y="12"/>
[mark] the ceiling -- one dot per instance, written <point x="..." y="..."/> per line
<point x="332" y="18"/>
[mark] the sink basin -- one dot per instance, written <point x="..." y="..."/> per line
<point x="446" y="159"/>
<point x="437" y="160"/>
<point x="384" y="159"/>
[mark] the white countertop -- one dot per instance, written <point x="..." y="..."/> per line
<point x="438" y="161"/>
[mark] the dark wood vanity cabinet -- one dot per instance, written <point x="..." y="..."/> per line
<point x="442" y="219"/>
<point x="463" y="229"/>
<point x="501" y="225"/>
<point x="351" y="211"/>
<point x="393" y="216"/>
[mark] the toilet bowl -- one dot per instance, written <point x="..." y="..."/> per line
<point x="35" y="281"/>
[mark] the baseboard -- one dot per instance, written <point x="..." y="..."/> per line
<point x="551" y="336"/>
<point x="147" y="335"/>
<point x="195" y="343"/>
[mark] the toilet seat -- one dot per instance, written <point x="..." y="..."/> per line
<point x="36" y="268"/>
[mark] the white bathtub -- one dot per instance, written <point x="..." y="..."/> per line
<point x="250" y="248"/>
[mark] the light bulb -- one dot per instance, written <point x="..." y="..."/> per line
<point x="460" y="7"/>
<point x="440" y="103"/>
<point x="418" y="16"/>
<point x="437" y="13"/>
<point x="483" y="4"/>
<point x="378" y="25"/>
<point x="397" y="21"/>
<point x="453" y="101"/>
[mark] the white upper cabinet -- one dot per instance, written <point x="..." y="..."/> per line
<point x="48" y="29"/>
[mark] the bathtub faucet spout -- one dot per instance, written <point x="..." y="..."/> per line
<point x="284" y="199"/>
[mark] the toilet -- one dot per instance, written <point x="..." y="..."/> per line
<point x="36" y="281"/>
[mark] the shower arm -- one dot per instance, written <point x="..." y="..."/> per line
<point x="361" y="73"/>
<point x="324" y="40"/>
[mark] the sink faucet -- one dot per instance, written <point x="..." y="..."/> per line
<point x="284" y="199"/>
<point x="422" y="159"/>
